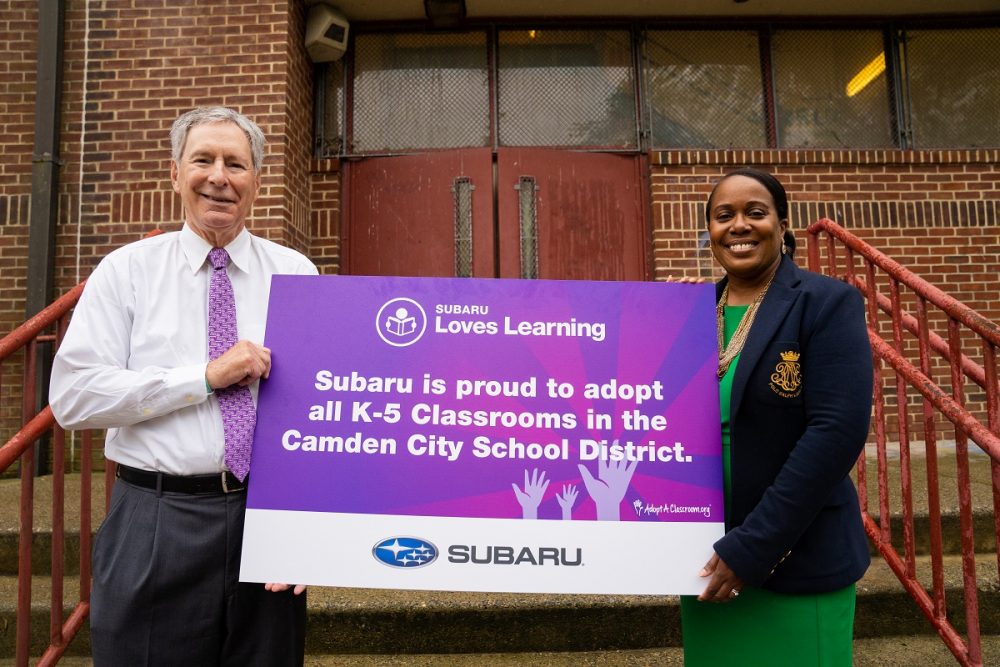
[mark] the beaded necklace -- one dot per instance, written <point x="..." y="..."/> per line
<point x="727" y="353"/>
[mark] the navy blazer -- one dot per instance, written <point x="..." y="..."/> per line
<point x="795" y="523"/>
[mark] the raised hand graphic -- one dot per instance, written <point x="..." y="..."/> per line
<point x="610" y="487"/>
<point x="531" y="497"/>
<point x="566" y="500"/>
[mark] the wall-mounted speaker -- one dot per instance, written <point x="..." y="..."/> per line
<point x="326" y="33"/>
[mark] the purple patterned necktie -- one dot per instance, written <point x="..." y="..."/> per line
<point x="235" y="402"/>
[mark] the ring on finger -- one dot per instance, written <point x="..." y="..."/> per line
<point x="733" y="593"/>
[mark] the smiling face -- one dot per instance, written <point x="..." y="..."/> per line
<point x="745" y="231"/>
<point x="216" y="181"/>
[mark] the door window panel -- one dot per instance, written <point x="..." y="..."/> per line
<point x="704" y="89"/>
<point x="566" y="88"/>
<point x="420" y="91"/>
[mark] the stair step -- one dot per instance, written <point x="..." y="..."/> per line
<point x="895" y="651"/>
<point x="369" y="621"/>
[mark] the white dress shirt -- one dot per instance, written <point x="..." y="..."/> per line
<point x="133" y="360"/>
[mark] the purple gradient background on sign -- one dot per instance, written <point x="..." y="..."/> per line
<point x="662" y="332"/>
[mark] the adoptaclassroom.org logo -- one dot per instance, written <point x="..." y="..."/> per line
<point x="405" y="552"/>
<point x="401" y="322"/>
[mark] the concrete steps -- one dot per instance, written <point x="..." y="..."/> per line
<point x="345" y="621"/>
<point x="376" y="627"/>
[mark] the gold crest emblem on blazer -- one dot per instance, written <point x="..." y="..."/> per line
<point x="786" y="380"/>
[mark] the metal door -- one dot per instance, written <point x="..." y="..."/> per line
<point x="571" y="215"/>
<point x="429" y="214"/>
<point x="549" y="214"/>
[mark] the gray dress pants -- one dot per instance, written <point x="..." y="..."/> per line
<point x="166" y="589"/>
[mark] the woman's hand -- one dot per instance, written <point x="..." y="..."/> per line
<point x="724" y="584"/>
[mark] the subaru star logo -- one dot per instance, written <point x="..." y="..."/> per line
<point x="405" y="552"/>
<point x="401" y="322"/>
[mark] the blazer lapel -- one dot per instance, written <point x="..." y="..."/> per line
<point x="779" y="299"/>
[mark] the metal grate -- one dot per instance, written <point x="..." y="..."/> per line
<point x="330" y="101"/>
<point x="420" y="91"/>
<point x="527" y="210"/>
<point x="462" y="190"/>
<point x="566" y="88"/>
<point x="701" y="94"/>
<point x="831" y="89"/>
<point x="954" y="86"/>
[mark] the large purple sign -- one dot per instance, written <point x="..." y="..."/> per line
<point x="490" y="399"/>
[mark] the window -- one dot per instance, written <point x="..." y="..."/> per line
<point x="420" y="91"/>
<point x="954" y="85"/>
<point x="748" y="88"/>
<point x="566" y="88"/>
<point x="830" y="89"/>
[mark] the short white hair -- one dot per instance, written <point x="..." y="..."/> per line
<point x="184" y="123"/>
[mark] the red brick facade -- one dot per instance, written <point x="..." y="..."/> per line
<point x="131" y="68"/>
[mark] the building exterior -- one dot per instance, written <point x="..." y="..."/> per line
<point x="506" y="138"/>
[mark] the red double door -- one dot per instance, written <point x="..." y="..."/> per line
<point x="512" y="213"/>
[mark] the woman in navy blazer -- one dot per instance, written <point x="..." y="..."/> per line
<point x="796" y="386"/>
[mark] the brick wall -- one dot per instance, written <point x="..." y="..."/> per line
<point x="17" y="125"/>
<point x="934" y="212"/>
<point x="130" y="69"/>
<point x="324" y="212"/>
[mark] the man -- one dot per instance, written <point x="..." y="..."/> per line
<point x="152" y="354"/>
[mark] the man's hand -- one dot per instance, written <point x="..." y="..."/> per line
<point x="277" y="588"/>
<point x="242" y="364"/>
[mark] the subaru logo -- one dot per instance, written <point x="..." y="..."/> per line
<point x="405" y="552"/>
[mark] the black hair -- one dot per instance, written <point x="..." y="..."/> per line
<point x="773" y="186"/>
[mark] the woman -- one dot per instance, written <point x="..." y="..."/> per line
<point x="795" y="385"/>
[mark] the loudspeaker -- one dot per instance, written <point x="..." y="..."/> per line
<point x="326" y="33"/>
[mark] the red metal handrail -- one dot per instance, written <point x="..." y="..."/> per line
<point x="20" y="447"/>
<point x="936" y="401"/>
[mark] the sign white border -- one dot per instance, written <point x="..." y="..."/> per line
<point x="336" y="550"/>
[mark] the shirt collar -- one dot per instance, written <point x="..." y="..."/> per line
<point x="196" y="249"/>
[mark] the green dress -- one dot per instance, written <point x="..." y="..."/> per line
<point x="762" y="627"/>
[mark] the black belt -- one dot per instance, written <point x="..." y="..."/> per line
<point x="224" y="482"/>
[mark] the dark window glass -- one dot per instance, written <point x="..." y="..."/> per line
<point x="566" y="88"/>
<point x="704" y="89"/>
<point x="954" y="84"/>
<point x="420" y="91"/>
<point x="830" y="89"/>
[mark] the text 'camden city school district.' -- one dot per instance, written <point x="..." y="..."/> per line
<point x="424" y="412"/>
